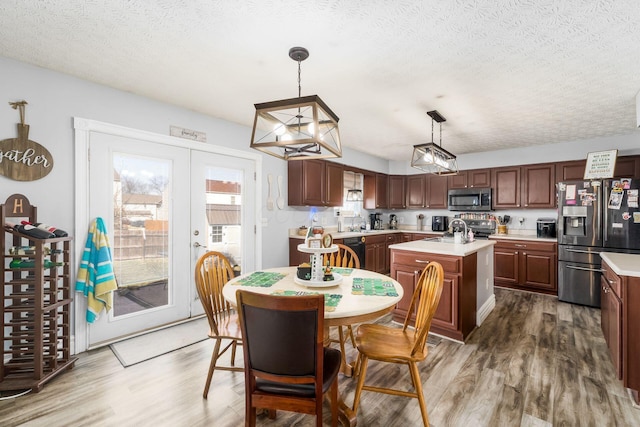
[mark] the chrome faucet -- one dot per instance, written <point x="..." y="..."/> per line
<point x="466" y="232"/>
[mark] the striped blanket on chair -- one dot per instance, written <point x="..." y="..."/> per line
<point x="95" y="277"/>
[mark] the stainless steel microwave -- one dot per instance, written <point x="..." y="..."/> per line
<point x="470" y="199"/>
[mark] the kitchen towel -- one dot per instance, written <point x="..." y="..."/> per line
<point x="95" y="277"/>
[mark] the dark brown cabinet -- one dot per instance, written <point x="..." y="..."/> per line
<point x="529" y="187"/>
<point x="611" y="315"/>
<point x="455" y="316"/>
<point x="506" y="187"/>
<point x="539" y="186"/>
<point x="376" y="194"/>
<point x="376" y="253"/>
<point x="416" y="191"/>
<point x="627" y="167"/>
<point x="526" y="265"/>
<point x="480" y="178"/>
<point x="437" y="192"/>
<point x="397" y="197"/>
<point x="620" y="318"/>
<point x="570" y="171"/>
<point x="315" y="183"/>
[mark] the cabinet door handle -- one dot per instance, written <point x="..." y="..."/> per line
<point x="524" y="253"/>
<point x="419" y="261"/>
<point x="516" y="252"/>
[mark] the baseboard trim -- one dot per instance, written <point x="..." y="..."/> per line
<point x="485" y="310"/>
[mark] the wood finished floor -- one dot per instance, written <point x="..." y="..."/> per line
<point x="534" y="362"/>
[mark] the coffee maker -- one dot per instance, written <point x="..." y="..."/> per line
<point x="393" y="222"/>
<point x="439" y="223"/>
<point x="376" y="221"/>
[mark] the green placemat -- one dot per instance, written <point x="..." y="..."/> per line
<point x="263" y="279"/>
<point x="331" y="301"/>
<point x="343" y="271"/>
<point x="362" y="286"/>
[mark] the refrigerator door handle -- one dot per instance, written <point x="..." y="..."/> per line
<point x="595" y="270"/>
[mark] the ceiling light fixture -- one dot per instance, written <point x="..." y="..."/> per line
<point x="296" y="128"/>
<point x="432" y="158"/>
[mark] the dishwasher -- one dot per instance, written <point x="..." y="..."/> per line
<point x="357" y="244"/>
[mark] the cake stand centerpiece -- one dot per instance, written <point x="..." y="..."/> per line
<point x="317" y="278"/>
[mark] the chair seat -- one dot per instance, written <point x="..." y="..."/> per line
<point x="332" y="360"/>
<point x="385" y="343"/>
<point x="228" y="327"/>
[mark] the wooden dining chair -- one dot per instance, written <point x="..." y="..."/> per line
<point x="212" y="272"/>
<point x="402" y="346"/>
<point x="286" y="365"/>
<point x="347" y="258"/>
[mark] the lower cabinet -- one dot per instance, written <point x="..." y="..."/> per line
<point x="526" y="265"/>
<point x="620" y="318"/>
<point x="376" y="253"/>
<point x="611" y="315"/>
<point x="456" y="314"/>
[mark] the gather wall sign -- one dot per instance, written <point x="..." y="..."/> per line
<point x="20" y="158"/>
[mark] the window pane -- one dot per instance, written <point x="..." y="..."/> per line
<point x="141" y="233"/>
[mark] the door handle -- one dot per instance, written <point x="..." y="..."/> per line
<point x="197" y="245"/>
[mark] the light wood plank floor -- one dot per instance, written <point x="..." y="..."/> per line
<point x="534" y="362"/>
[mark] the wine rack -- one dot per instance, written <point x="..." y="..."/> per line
<point x="36" y="303"/>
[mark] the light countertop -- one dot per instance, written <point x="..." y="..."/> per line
<point x="622" y="264"/>
<point x="457" y="249"/>
<point x="510" y="236"/>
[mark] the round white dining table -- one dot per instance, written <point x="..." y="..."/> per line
<point x="352" y="308"/>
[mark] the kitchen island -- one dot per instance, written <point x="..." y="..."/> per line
<point x="467" y="296"/>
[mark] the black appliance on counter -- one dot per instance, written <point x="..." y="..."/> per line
<point x="439" y="223"/>
<point x="593" y="216"/>
<point x="469" y="199"/>
<point x="546" y="228"/>
<point x="376" y="221"/>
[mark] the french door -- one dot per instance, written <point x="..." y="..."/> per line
<point x="164" y="203"/>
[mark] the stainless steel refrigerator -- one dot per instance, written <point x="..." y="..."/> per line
<point x="594" y="216"/>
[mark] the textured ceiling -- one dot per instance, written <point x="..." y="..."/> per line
<point x="506" y="74"/>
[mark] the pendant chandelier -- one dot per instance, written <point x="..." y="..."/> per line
<point x="432" y="158"/>
<point x="296" y="128"/>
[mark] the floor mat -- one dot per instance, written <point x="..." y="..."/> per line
<point x="154" y="344"/>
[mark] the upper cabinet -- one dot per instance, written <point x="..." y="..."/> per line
<point x="397" y="199"/>
<point x="478" y="178"/>
<point x="315" y="183"/>
<point x="570" y="171"/>
<point x="427" y="191"/>
<point x="539" y="186"/>
<point x="530" y="186"/>
<point x="437" y="191"/>
<point x="506" y="187"/>
<point x="416" y="191"/>
<point x="376" y="194"/>
<point x="626" y="166"/>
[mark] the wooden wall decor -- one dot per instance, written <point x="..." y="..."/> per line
<point x="20" y="158"/>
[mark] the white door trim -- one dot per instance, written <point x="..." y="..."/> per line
<point x="82" y="130"/>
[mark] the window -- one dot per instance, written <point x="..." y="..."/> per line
<point x="216" y="234"/>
